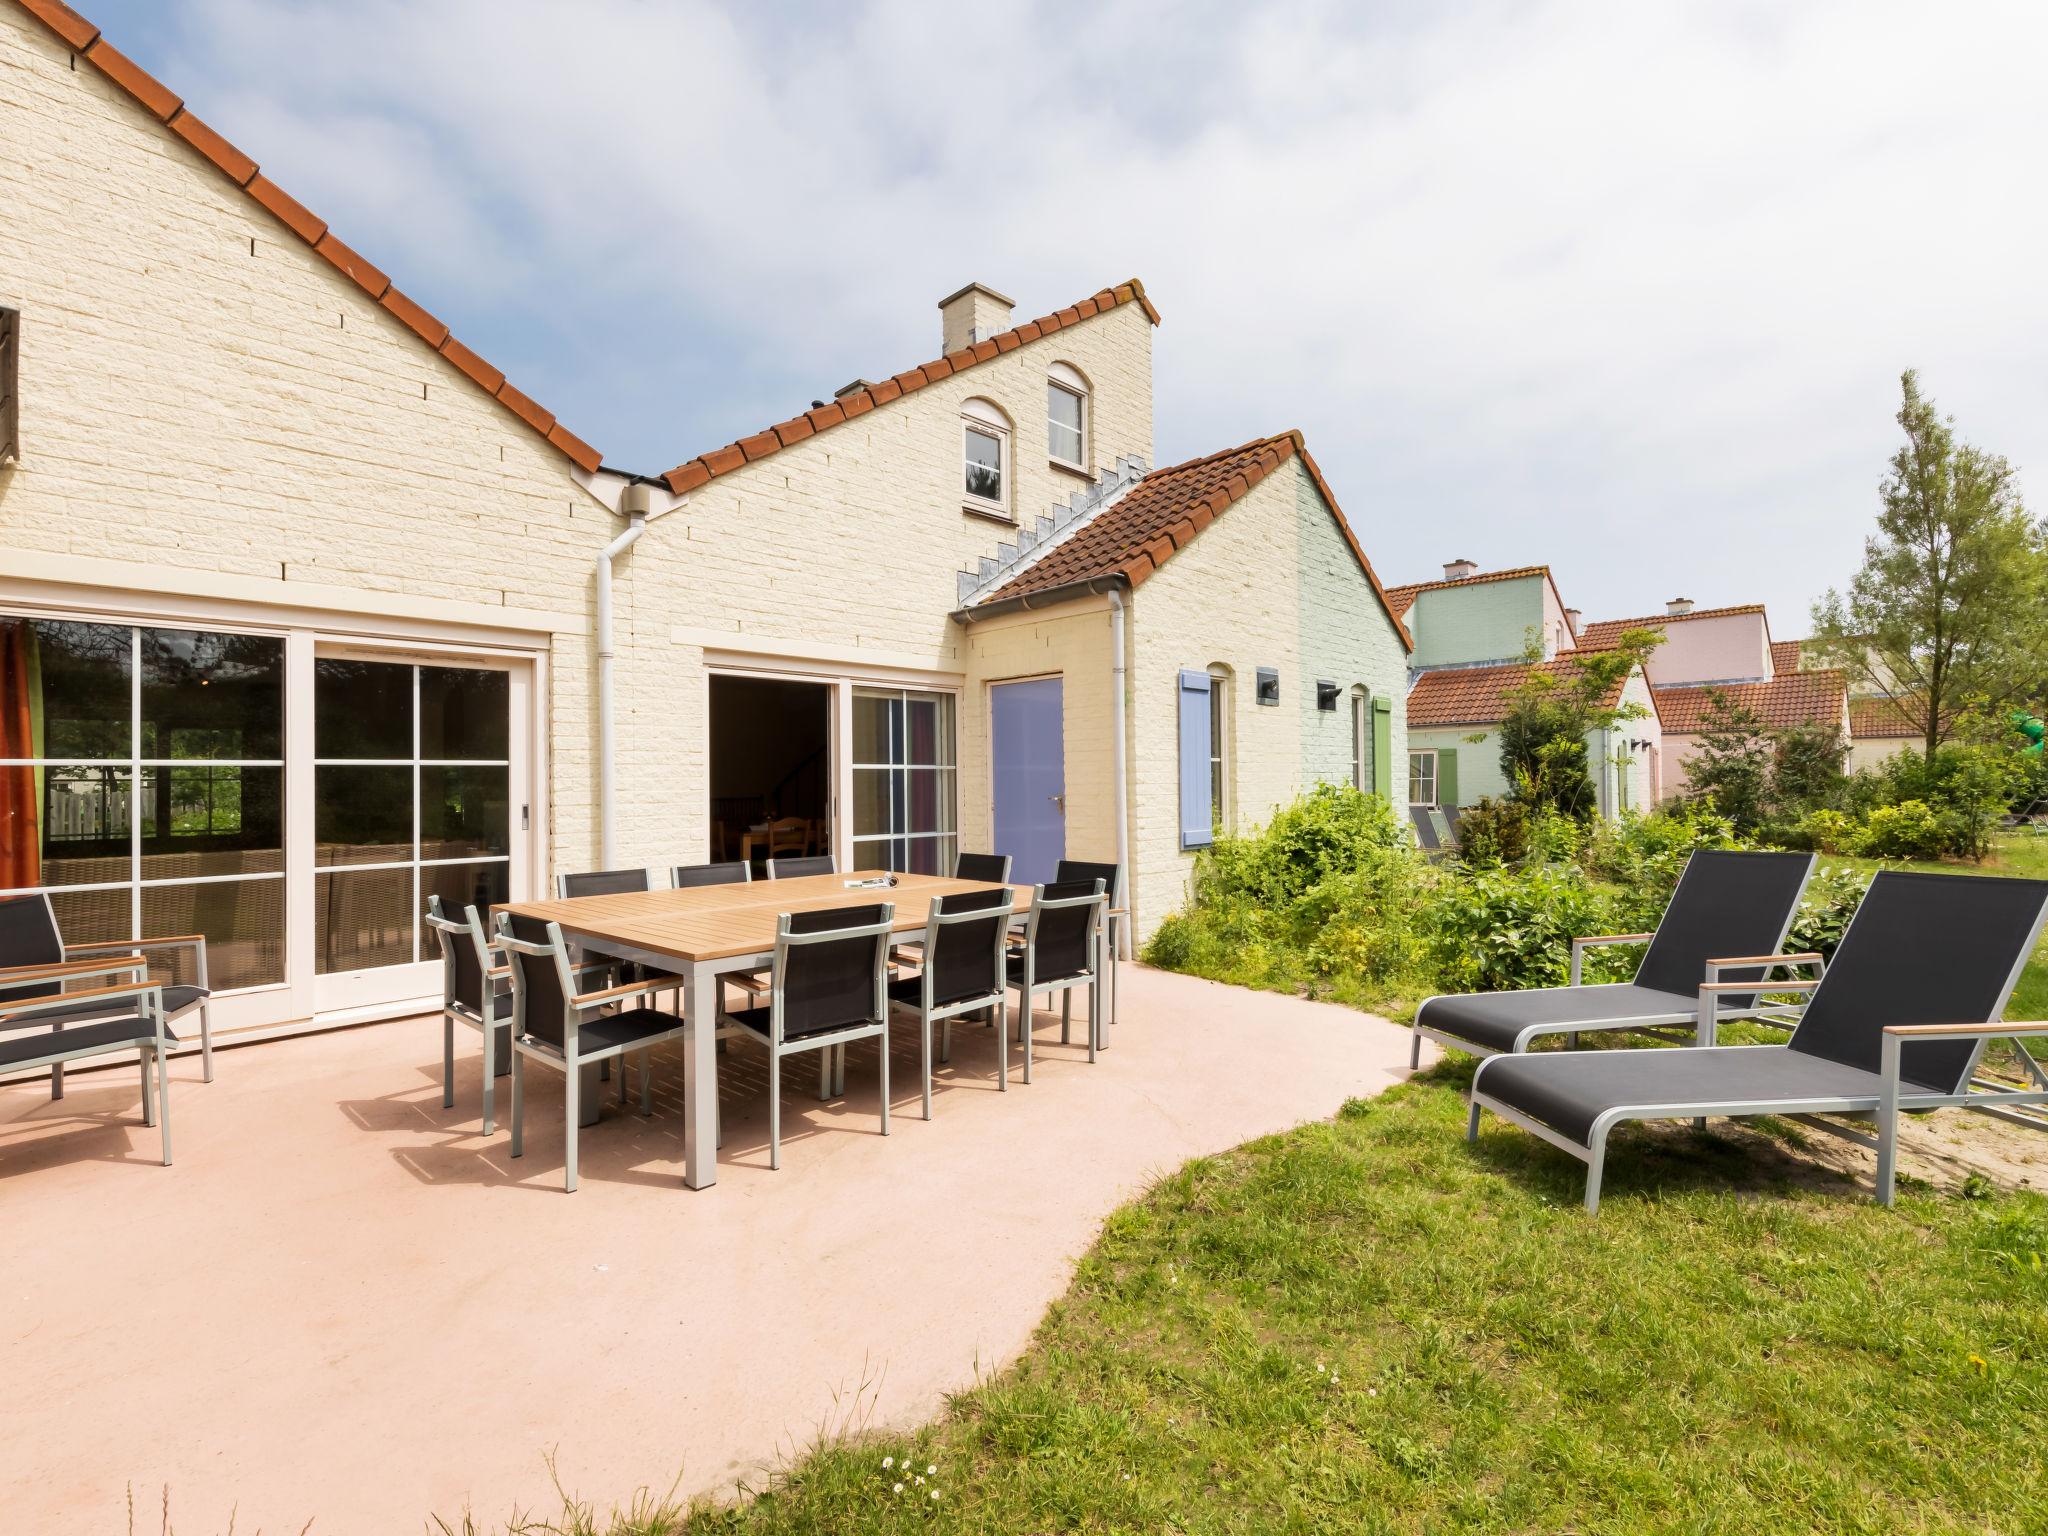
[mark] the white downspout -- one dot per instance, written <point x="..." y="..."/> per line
<point x="1123" y="787"/>
<point x="635" y="507"/>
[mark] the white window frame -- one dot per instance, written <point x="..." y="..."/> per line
<point x="1361" y="737"/>
<point x="1222" y="706"/>
<point x="1067" y="378"/>
<point x="899" y="771"/>
<point x="984" y="417"/>
<point x="1416" y="755"/>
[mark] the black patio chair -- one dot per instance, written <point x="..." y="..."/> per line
<point x="1062" y="951"/>
<point x="1727" y="918"/>
<point x="614" y="882"/>
<point x="991" y="867"/>
<point x="729" y="872"/>
<point x="470" y="974"/>
<point x="962" y="954"/>
<point x="807" y="864"/>
<point x="1114" y="918"/>
<point x="40" y="1022"/>
<point x="1922" y="975"/>
<point x="29" y="935"/>
<point x="554" y="1023"/>
<point x="827" y="989"/>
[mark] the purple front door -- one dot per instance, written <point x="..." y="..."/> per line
<point x="1030" y="778"/>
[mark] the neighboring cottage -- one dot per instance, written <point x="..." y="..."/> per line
<point x="307" y="613"/>
<point x="1881" y="726"/>
<point x="1728" y="653"/>
<point x="1474" y="634"/>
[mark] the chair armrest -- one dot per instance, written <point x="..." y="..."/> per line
<point x="1801" y="985"/>
<point x="168" y="941"/>
<point x="1612" y="938"/>
<point x="17" y="1015"/>
<point x="749" y="982"/>
<point x="64" y="970"/>
<point x="1801" y="959"/>
<point x="906" y="955"/>
<point x="2020" y="1031"/>
<point x="613" y="994"/>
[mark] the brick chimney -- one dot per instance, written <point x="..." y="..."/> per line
<point x="1458" y="570"/>
<point x="1572" y="619"/>
<point x="1678" y="607"/>
<point x="973" y="314"/>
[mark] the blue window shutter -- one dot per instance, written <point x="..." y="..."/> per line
<point x="1196" y="829"/>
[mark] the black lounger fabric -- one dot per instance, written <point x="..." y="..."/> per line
<point x="1726" y="904"/>
<point x="1568" y="1091"/>
<point x="1494" y="1020"/>
<point x="1922" y="949"/>
<point x="83" y="1039"/>
<point x="176" y="1000"/>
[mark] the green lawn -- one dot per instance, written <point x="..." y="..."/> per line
<point x="1370" y="1325"/>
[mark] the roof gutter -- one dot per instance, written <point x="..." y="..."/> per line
<point x="1094" y="586"/>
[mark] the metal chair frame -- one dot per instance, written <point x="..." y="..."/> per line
<point x="144" y="998"/>
<point x="1029" y="987"/>
<point x="929" y="1014"/>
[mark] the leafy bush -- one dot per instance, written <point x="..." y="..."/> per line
<point x="1494" y="832"/>
<point x="1830" y="900"/>
<point x="1498" y="928"/>
<point x="1826" y="831"/>
<point x="1911" y="829"/>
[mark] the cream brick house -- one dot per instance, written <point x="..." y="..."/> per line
<point x="307" y="613"/>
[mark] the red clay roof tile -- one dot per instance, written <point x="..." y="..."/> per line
<point x="1607" y="633"/>
<point x="1481" y="695"/>
<point x="1402" y="598"/>
<point x="73" y="28"/>
<point x="416" y="319"/>
<point x="1797" y="698"/>
<point x="294" y="214"/>
<point x="1784" y="655"/>
<point x="80" y="35"/>
<point x="138" y="82"/>
<point x="1881" y="719"/>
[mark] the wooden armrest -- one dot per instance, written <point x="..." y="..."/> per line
<point x="58" y="969"/>
<point x="752" y="983"/>
<point x="168" y="941"/>
<point x="1803" y="959"/>
<point x="2027" y="1030"/>
<point x="904" y="955"/>
<point x="1758" y="986"/>
<point x="499" y="970"/>
<point x="14" y="1015"/>
<point x="1615" y="938"/>
<point x="613" y="994"/>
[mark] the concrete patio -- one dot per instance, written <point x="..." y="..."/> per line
<point x="343" y="1304"/>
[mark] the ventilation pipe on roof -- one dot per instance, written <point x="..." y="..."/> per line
<point x="1118" y="771"/>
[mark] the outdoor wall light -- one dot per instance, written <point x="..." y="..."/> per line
<point x="1269" y="686"/>
<point x="1326" y="694"/>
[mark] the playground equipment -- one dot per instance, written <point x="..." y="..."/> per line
<point x="2032" y="727"/>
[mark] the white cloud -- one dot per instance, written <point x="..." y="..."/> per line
<point x="1624" y="287"/>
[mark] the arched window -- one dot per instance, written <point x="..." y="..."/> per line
<point x="1066" y="416"/>
<point x="985" y="453"/>
<point x="1222" y="739"/>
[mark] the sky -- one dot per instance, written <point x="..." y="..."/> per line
<point x="1621" y="288"/>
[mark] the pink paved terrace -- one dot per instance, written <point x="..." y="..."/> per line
<point x="344" y="1304"/>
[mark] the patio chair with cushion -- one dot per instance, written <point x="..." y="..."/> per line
<point x="469" y="973"/>
<point x="39" y="1025"/>
<point x="827" y="989"/>
<point x="554" y="1023"/>
<point x="1062" y="951"/>
<point x="962" y="953"/>
<point x="812" y="864"/>
<point x="1728" y="916"/>
<point x="29" y="936"/>
<point x="1936" y="954"/>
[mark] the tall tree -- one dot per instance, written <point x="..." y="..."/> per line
<point x="1946" y="613"/>
<point x="1550" y="713"/>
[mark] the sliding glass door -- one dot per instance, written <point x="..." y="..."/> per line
<point x="418" y="790"/>
<point x="905" y="772"/>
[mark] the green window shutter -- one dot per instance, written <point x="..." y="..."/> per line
<point x="1447" y="776"/>
<point x="1383" y="747"/>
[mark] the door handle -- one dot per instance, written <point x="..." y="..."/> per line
<point x="1058" y="800"/>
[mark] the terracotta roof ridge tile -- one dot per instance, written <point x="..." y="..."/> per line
<point x="1511" y="573"/>
<point x="89" y="43"/>
<point x="705" y="467"/>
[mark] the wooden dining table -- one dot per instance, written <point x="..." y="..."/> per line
<point x="704" y="932"/>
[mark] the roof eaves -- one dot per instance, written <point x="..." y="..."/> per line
<point x="88" y="42"/>
<point x="709" y="466"/>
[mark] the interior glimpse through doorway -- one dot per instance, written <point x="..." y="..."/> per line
<point x="771" y="768"/>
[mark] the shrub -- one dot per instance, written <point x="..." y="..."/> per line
<point x="1826" y="831"/>
<point x="1490" y="929"/>
<point x="1911" y="829"/>
<point x="1830" y="900"/>
<point x="1494" y="832"/>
